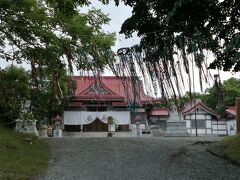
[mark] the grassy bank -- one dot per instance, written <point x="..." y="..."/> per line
<point x="231" y="148"/>
<point x="18" y="158"/>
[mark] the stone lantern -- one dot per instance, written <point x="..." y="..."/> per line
<point x="57" y="121"/>
<point x="26" y="122"/>
<point x="137" y="120"/>
<point x="43" y="128"/>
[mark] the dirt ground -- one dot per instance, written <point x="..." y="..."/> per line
<point x="136" y="158"/>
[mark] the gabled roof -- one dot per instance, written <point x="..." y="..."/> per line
<point x="231" y="110"/>
<point x="191" y="106"/>
<point x="102" y="86"/>
<point x="119" y="89"/>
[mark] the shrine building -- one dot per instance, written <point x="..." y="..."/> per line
<point x="96" y="99"/>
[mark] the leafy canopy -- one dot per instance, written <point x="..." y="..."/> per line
<point x="15" y="90"/>
<point x="50" y="35"/>
<point x="230" y="90"/>
<point x="177" y="34"/>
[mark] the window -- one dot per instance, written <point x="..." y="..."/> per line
<point x="200" y="124"/>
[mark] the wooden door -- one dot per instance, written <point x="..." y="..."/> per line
<point x="97" y="125"/>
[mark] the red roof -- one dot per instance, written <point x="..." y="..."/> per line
<point x="159" y="112"/>
<point x="113" y="86"/>
<point x="191" y="106"/>
<point x="73" y="103"/>
<point x="119" y="103"/>
<point x="97" y="97"/>
<point x="231" y="110"/>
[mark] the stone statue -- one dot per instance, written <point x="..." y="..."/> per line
<point x="175" y="125"/>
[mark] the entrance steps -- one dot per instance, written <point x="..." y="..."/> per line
<point x="156" y="130"/>
<point x="95" y="134"/>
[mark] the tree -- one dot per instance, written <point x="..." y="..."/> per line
<point x="15" y="90"/>
<point x="230" y="90"/>
<point x="50" y="34"/>
<point x="44" y="33"/>
<point x="44" y="102"/>
<point x="186" y="29"/>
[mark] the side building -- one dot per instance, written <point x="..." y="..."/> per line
<point x="202" y="119"/>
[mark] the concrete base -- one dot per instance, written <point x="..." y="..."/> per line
<point x="43" y="131"/>
<point x="57" y="133"/>
<point x="136" y="132"/>
<point x="176" y="129"/>
<point x="111" y="128"/>
<point x="26" y="127"/>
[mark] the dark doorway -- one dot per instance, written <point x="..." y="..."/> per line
<point x="123" y="127"/>
<point x="72" y="128"/>
<point x="96" y="125"/>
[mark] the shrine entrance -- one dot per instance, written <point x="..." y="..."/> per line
<point x="97" y="125"/>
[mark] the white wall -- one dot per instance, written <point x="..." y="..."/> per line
<point x="200" y="131"/>
<point x="211" y="126"/>
<point x="133" y="126"/>
<point x="231" y="127"/>
<point x="219" y="127"/>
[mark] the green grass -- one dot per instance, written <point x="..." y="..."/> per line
<point x="18" y="158"/>
<point x="231" y="148"/>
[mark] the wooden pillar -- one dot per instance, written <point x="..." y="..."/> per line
<point x="237" y="106"/>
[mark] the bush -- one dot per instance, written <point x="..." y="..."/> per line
<point x="110" y="120"/>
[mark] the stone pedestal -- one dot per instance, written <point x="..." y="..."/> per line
<point x="136" y="132"/>
<point x="26" y="127"/>
<point x="111" y="128"/>
<point x="175" y="126"/>
<point x="43" y="131"/>
<point x="57" y="133"/>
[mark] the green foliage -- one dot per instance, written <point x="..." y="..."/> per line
<point x="45" y="102"/>
<point x="231" y="148"/>
<point x="19" y="159"/>
<point x="189" y="97"/>
<point x="230" y="90"/>
<point x="110" y="120"/>
<point x="178" y="34"/>
<point x="189" y="25"/>
<point x="15" y="90"/>
<point x="181" y="101"/>
<point x="46" y="34"/>
<point x="26" y="116"/>
<point x="42" y="32"/>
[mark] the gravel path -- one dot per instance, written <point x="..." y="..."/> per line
<point x="135" y="158"/>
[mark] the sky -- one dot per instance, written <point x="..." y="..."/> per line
<point x="118" y="15"/>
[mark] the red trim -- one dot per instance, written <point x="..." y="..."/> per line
<point x="159" y="112"/>
<point x="104" y="86"/>
<point x="195" y="105"/>
<point x="119" y="103"/>
<point x="97" y="96"/>
<point x="231" y="110"/>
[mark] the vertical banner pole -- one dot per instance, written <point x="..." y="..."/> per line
<point x="237" y="105"/>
